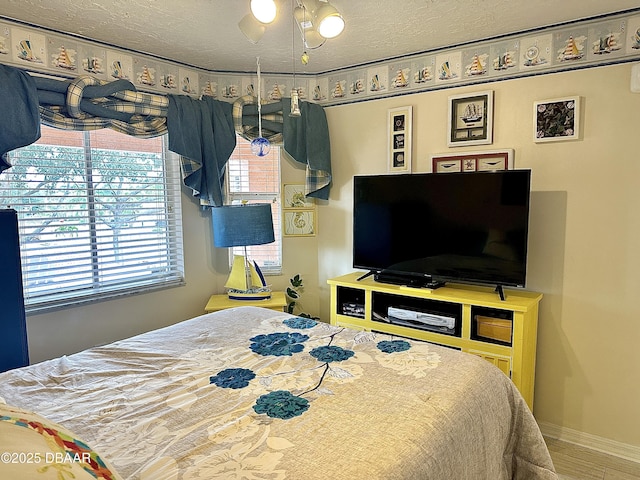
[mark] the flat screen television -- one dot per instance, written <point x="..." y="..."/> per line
<point x="424" y="229"/>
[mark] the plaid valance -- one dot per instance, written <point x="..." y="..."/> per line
<point x="88" y="103"/>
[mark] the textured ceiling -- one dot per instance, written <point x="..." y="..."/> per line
<point x="204" y="33"/>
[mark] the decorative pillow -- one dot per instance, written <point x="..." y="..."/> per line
<point x="35" y="448"/>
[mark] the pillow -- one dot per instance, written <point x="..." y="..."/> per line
<point x="35" y="448"/>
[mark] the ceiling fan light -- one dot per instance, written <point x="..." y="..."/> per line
<point x="312" y="39"/>
<point x="264" y="10"/>
<point x="329" y="21"/>
<point x="251" y="28"/>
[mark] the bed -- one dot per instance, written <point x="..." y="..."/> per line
<point x="249" y="393"/>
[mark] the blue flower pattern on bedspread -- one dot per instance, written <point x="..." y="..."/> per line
<point x="283" y="404"/>
<point x="233" y="378"/>
<point x="331" y="353"/>
<point x="390" y="346"/>
<point x="278" y="344"/>
<point x="300" y="323"/>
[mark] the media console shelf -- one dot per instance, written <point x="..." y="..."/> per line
<point x="469" y="318"/>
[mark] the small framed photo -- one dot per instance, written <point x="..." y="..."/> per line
<point x="556" y="120"/>
<point x="471" y="119"/>
<point x="299" y="223"/>
<point x="399" y="150"/>
<point x="293" y="196"/>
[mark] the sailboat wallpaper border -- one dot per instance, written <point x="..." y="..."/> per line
<point x="582" y="43"/>
<point x="471" y="119"/>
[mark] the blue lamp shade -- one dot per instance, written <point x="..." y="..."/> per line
<point x="242" y="225"/>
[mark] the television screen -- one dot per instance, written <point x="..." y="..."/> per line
<point x="466" y="227"/>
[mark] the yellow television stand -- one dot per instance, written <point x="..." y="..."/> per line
<point x="504" y="332"/>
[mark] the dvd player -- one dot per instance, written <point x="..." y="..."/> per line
<point x="420" y="320"/>
<point x="420" y="317"/>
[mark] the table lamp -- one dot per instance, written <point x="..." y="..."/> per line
<point x="241" y="226"/>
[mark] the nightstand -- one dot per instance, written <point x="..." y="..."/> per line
<point x="277" y="302"/>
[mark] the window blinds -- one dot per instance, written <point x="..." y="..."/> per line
<point x="99" y="215"/>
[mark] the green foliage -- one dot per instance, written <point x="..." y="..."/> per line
<point x="293" y="292"/>
<point x="121" y="189"/>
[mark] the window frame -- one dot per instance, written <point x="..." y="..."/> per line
<point x="273" y="269"/>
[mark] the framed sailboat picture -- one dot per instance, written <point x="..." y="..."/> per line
<point x="471" y="119"/>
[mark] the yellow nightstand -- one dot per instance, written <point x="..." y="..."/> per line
<point x="277" y="302"/>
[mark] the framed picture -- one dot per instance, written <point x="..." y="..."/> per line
<point x="471" y="119"/>
<point x="473" y="161"/>
<point x="293" y="196"/>
<point x="556" y="120"/>
<point x="299" y="223"/>
<point x="399" y="131"/>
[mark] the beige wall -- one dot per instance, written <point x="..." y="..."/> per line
<point x="584" y="231"/>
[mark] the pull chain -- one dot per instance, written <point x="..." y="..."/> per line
<point x="260" y="146"/>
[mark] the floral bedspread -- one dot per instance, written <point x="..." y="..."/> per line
<point x="249" y="393"/>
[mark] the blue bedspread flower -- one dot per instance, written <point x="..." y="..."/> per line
<point x="300" y="322"/>
<point x="278" y="344"/>
<point x="233" y="378"/>
<point x="390" y="346"/>
<point x="331" y="353"/>
<point x="281" y="404"/>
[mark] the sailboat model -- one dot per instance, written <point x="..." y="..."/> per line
<point x="246" y="281"/>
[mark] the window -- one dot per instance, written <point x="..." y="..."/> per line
<point x="99" y="215"/>
<point x="256" y="179"/>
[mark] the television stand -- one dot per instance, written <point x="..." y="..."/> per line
<point x="408" y="281"/>
<point x="502" y="332"/>
<point x="500" y="290"/>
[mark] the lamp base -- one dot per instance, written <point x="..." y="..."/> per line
<point x="252" y="294"/>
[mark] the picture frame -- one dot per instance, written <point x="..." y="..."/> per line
<point x="485" y="161"/>
<point x="299" y="223"/>
<point x="293" y="196"/>
<point x="470" y="119"/>
<point x="556" y="120"/>
<point x="399" y="126"/>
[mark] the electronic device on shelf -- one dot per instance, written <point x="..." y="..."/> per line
<point x="414" y="319"/>
<point x="420" y="229"/>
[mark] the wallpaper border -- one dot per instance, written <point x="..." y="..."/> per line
<point x="573" y="45"/>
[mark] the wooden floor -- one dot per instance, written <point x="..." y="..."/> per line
<point x="578" y="463"/>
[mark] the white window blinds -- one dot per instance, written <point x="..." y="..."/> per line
<point x="99" y="215"/>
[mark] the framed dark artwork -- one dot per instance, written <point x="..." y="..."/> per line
<point x="556" y="120"/>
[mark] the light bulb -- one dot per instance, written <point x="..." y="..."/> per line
<point x="330" y="22"/>
<point x="264" y="10"/>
